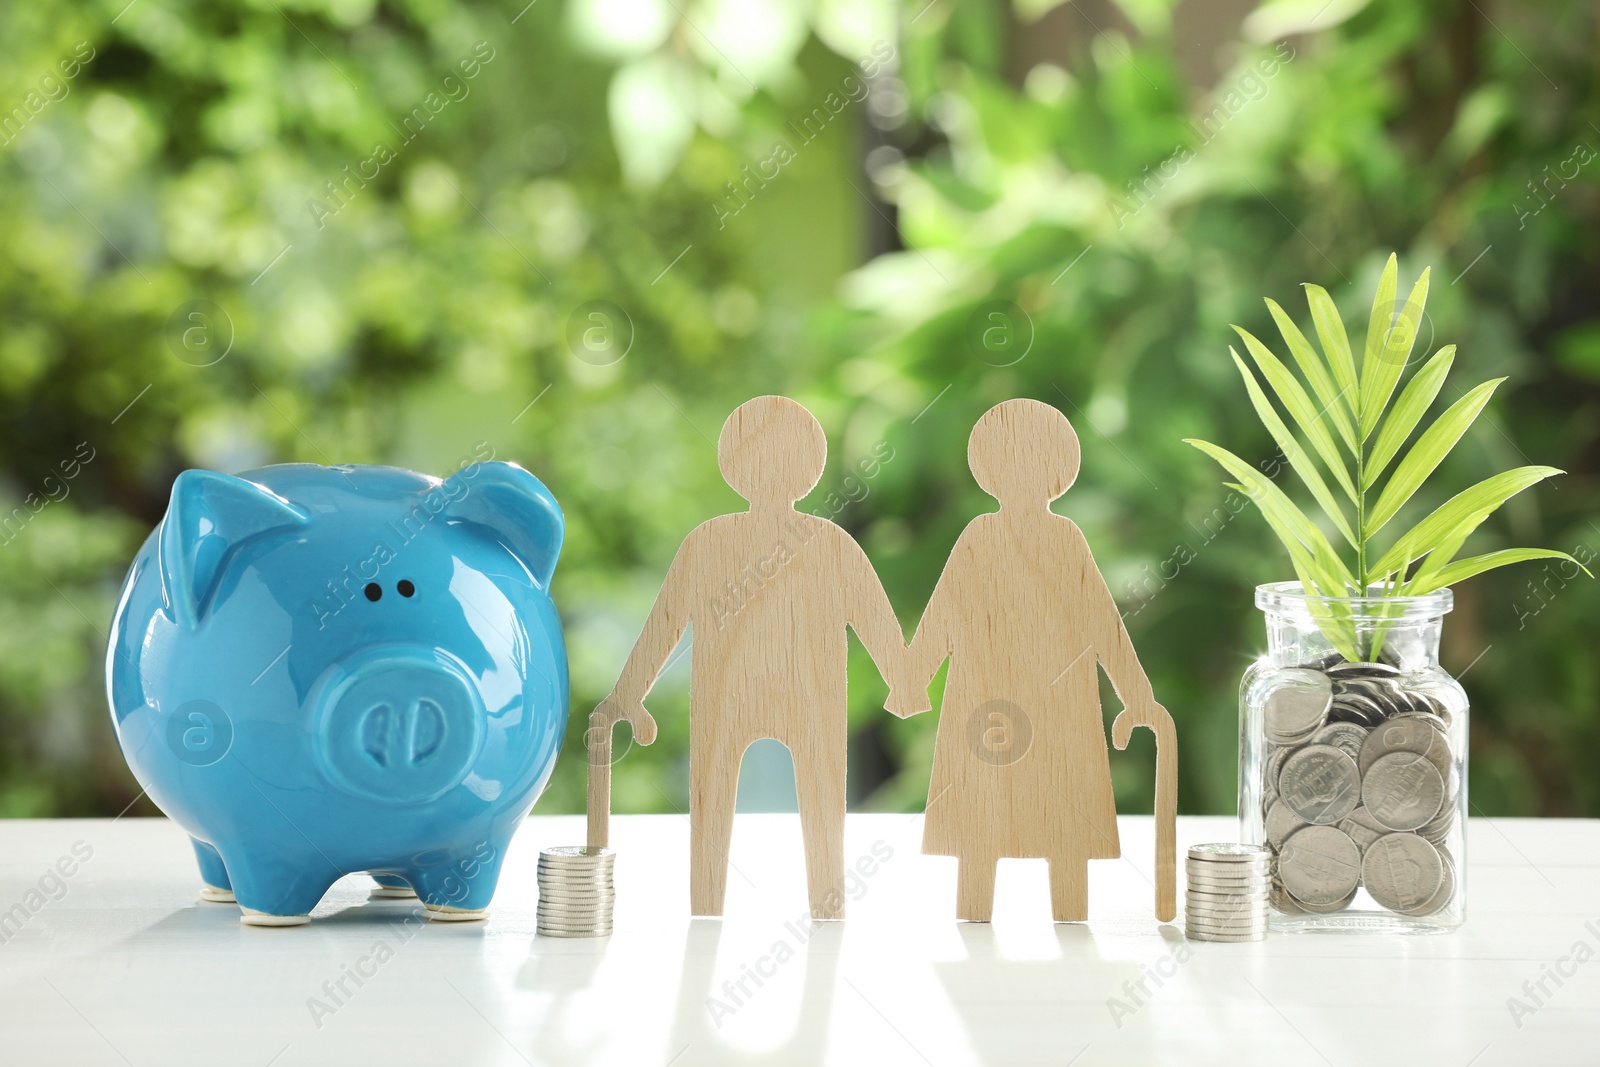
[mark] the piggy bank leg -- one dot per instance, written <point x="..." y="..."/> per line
<point x="215" y="885"/>
<point x="392" y="887"/>
<point x="274" y="889"/>
<point x="460" y="891"/>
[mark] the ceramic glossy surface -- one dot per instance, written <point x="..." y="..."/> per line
<point x="323" y="670"/>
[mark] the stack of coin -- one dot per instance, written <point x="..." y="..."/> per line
<point x="1227" y="893"/>
<point x="576" y="893"/>
<point x="1361" y="787"/>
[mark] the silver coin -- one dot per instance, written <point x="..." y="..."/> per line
<point x="1367" y="709"/>
<point x="1207" y="935"/>
<point x="559" y="893"/>
<point x="1280" y="899"/>
<point x="588" y="915"/>
<point x="1384" y="692"/>
<point x="1327" y="909"/>
<point x="1226" y="909"/>
<point x="1365" y="716"/>
<point x="1202" y="891"/>
<point x="567" y="853"/>
<point x="574" y="922"/>
<point x="574" y="933"/>
<point x="1227" y="884"/>
<point x="1319" y="865"/>
<point x="1281" y="822"/>
<point x="1224" y="905"/>
<point x="1347" y="737"/>
<point x="1368" y="669"/>
<point x="1446" y="892"/>
<point x="1222" y="875"/>
<point x="1227" y="922"/>
<point x="577" y="903"/>
<point x="578" y="877"/>
<point x="1274" y="769"/>
<point x="1229" y="852"/>
<point x="1438" y="830"/>
<point x="1321" y="784"/>
<point x="1298" y="705"/>
<point x="1407" y="733"/>
<point x="1402" y="790"/>
<point x="1234" y="865"/>
<point x="1362" y="828"/>
<point x="1402" y="872"/>
<point x="577" y="889"/>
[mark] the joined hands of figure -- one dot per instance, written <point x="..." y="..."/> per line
<point x="1146" y="713"/>
<point x="906" y="696"/>
<point x="617" y="708"/>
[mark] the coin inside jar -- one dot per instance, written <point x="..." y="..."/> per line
<point x="1319" y="865"/>
<point x="1348" y="737"/>
<point x="1362" y="828"/>
<point x="1403" y="791"/>
<point x="1403" y="872"/>
<point x="1321" y="783"/>
<point x="1297" y="706"/>
<point x="1281" y="822"/>
<point x="1406" y="733"/>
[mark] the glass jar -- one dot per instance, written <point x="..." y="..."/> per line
<point x="1352" y="763"/>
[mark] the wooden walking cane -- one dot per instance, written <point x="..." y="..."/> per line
<point x="597" y="742"/>
<point x="1166" y="811"/>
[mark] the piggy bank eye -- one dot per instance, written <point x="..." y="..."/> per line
<point x="404" y="587"/>
<point x="373" y="590"/>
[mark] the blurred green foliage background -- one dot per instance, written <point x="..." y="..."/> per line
<point x="897" y="215"/>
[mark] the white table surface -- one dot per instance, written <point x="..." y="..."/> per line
<point x="126" y="967"/>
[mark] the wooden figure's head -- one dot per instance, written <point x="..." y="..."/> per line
<point x="1023" y="453"/>
<point x="772" y="451"/>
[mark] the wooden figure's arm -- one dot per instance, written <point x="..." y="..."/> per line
<point x="1107" y="635"/>
<point x="934" y="640"/>
<point x="1115" y="651"/>
<point x="872" y="617"/>
<point x="663" y="629"/>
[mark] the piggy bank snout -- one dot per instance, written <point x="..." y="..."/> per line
<point x="398" y="724"/>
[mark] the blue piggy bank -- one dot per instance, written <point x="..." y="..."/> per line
<point x="322" y="670"/>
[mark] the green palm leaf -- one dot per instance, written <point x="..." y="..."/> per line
<point x="1335" y="343"/>
<point x="1356" y="408"/>
<point x="1297" y="532"/>
<point x="1378" y="322"/>
<point x="1394" y="344"/>
<point x="1429" y="451"/>
<point x="1292" y="451"/>
<point x="1468" y="506"/>
<point x="1466" y="568"/>
<point x="1414" y="401"/>
<point x="1316" y="371"/>
<point x="1298" y="404"/>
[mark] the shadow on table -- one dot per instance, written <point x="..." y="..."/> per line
<point x="710" y="1000"/>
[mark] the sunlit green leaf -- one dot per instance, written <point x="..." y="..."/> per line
<point x="1394" y="345"/>
<point x="1335" y="345"/>
<point x="1468" y="506"/>
<point x="1316" y="371"/>
<point x="1293" y="528"/>
<point x="1300" y="409"/>
<point x="1466" y="568"/>
<point x="1429" y="451"/>
<point x="1292" y="451"/>
<point x="1414" y="401"/>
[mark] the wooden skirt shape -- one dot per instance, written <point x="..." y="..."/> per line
<point x="1022" y="775"/>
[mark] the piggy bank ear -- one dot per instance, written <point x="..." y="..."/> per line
<point x="211" y="515"/>
<point x="515" y="507"/>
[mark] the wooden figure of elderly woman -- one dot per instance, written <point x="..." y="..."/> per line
<point x="1025" y="618"/>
